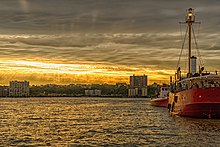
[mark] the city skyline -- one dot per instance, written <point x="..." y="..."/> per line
<point x="94" y="41"/>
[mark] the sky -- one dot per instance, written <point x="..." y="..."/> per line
<point x="101" y="41"/>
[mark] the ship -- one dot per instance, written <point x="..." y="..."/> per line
<point x="162" y="97"/>
<point x="197" y="94"/>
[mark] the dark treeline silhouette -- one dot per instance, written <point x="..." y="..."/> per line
<point x="77" y="90"/>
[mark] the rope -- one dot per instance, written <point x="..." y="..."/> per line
<point x="181" y="37"/>
<point x="182" y="47"/>
<point x="197" y="41"/>
<point x="200" y="58"/>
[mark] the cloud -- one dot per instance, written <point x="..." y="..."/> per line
<point x="108" y="48"/>
<point x="94" y="16"/>
<point x="142" y="49"/>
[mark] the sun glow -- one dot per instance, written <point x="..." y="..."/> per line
<point x="59" y="73"/>
<point x="55" y="68"/>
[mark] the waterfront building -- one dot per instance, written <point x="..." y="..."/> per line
<point x="133" y="92"/>
<point x="3" y="91"/>
<point x="144" y="92"/>
<point x="19" y="89"/>
<point x="138" y="86"/>
<point x="138" y="81"/>
<point x="95" y="92"/>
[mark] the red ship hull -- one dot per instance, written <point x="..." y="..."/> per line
<point x="197" y="102"/>
<point x="159" y="102"/>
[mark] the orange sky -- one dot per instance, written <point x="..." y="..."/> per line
<point x="59" y="73"/>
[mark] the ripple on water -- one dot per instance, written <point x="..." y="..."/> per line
<point x="99" y="122"/>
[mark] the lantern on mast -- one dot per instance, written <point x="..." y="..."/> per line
<point x="190" y="17"/>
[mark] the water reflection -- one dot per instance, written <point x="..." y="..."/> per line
<point x="99" y="122"/>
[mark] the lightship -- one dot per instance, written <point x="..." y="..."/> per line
<point x="198" y="93"/>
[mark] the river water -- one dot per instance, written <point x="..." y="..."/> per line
<point x="99" y="122"/>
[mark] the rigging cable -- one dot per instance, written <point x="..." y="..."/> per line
<point x="196" y="43"/>
<point x="182" y="47"/>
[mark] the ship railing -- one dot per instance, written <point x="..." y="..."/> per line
<point x="197" y="84"/>
<point x="214" y="72"/>
<point x="210" y="73"/>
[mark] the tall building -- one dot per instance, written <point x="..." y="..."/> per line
<point x="19" y="89"/>
<point x="138" y="81"/>
<point x="138" y="86"/>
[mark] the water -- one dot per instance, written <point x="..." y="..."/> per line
<point x="99" y="122"/>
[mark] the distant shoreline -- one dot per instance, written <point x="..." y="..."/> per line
<point x="75" y="97"/>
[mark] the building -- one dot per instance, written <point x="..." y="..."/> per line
<point x="19" y="89"/>
<point x="138" y="81"/>
<point x="133" y="92"/>
<point x="3" y="91"/>
<point x="144" y="92"/>
<point x="95" y="92"/>
<point x="138" y="86"/>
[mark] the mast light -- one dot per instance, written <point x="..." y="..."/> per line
<point x="190" y="14"/>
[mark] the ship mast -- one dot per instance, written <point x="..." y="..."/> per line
<point x="190" y="19"/>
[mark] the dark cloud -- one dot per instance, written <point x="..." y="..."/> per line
<point x="49" y="16"/>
